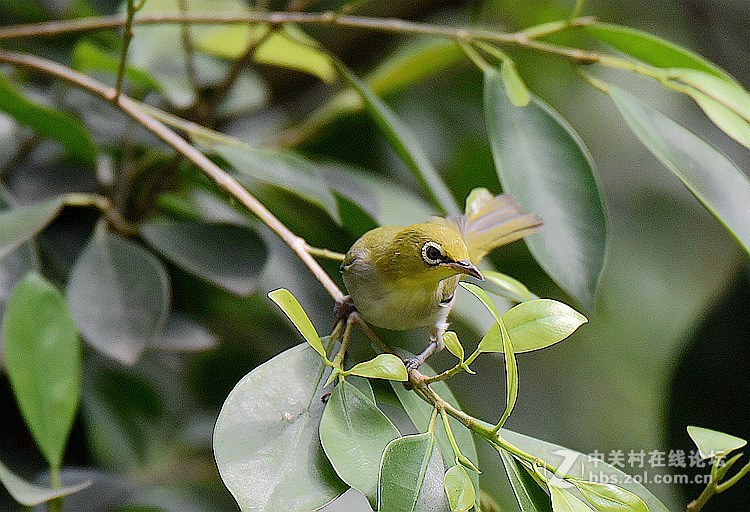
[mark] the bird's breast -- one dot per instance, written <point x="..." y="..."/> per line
<point x="398" y="304"/>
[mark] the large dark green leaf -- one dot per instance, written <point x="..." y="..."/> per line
<point x="354" y="434"/>
<point x="543" y="163"/>
<point x="405" y="144"/>
<point x="19" y="224"/>
<point x="583" y="466"/>
<point x="652" y="49"/>
<point x="266" y="437"/>
<point x="281" y="169"/>
<point x="419" y="413"/>
<point x="227" y="255"/>
<point x="709" y="175"/>
<point x="410" y="467"/>
<point x="529" y="494"/>
<point x="120" y="295"/>
<point x="48" y="122"/>
<point x="29" y="494"/>
<point x="43" y="359"/>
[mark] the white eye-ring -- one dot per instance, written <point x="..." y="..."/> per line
<point x="432" y="253"/>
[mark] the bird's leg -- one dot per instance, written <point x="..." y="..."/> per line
<point x="436" y="344"/>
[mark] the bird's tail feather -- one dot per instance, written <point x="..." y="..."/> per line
<point x="491" y="221"/>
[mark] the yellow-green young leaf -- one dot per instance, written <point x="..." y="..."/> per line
<point x="652" y="49"/>
<point x="535" y="324"/>
<point x="711" y="443"/>
<point x="727" y="104"/>
<point x="563" y="501"/>
<point x="31" y="495"/>
<point x="294" y="311"/>
<point x="511" y="366"/>
<point x="384" y="366"/>
<point x="289" y="48"/>
<point x="43" y="359"/>
<point x="505" y="286"/>
<point x="48" y="122"/>
<point x="515" y="87"/>
<point x="727" y="120"/>
<point x="459" y="489"/>
<point x="730" y="94"/>
<point x="610" y="498"/>
<point x="476" y="199"/>
<point x="453" y="344"/>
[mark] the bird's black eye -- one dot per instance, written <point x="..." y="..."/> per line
<point x="432" y="254"/>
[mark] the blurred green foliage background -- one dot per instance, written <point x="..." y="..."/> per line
<point x="666" y="347"/>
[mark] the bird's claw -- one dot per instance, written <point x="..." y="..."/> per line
<point x="343" y="308"/>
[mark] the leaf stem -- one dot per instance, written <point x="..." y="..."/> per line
<point x="187" y="46"/>
<point x="325" y="253"/>
<point x="723" y="486"/>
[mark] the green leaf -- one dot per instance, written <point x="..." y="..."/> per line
<point x="354" y="433"/>
<point x="296" y="313"/>
<point x="459" y="489"/>
<point x="88" y="57"/>
<point x="610" y="498"/>
<point x="563" y="501"/>
<point x="419" y="413"/>
<point x="453" y="345"/>
<point x="383" y="366"/>
<point x="511" y="366"/>
<point x="505" y="286"/>
<point x="402" y="472"/>
<point x="727" y="104"/>
<point x="227" y="255"/>
<point x="518" y="93"/>
<point x="712" y="443"/>
<point x="709" y="175"/>
<point x="543" y="163"/>
<point x="404" y="143"/>
<point x="43" y="359"/>
<point x="48" y="122"/>
<point x="21" y="223"/>
<point x="533" y="325"/>
<point x="31" y="495"/>
<point x="582" y="466"/>
<point x="266" y="443"/>
<point x="282" y="169"/>
<point x="529" y="494"/>
<point x="288" y="47"/>
<point x="652" y="49"/>
<point x="119" y="294"/>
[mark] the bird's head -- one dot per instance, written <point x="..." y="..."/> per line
<point x="427" y="251"/>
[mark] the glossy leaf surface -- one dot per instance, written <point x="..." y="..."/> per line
<point x="354" y="433"/>
<point x="266" y="444"/>
<point x="543" y="163"/>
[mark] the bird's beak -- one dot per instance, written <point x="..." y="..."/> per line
<point x="466" y="267"/>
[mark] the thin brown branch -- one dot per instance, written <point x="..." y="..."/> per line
<point x="392" y="25"/>
<point x="127" y="36"/>
<point x="222" y="179"/>
<point x="187" y="46"/>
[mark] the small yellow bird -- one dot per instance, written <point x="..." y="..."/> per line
<point x="403" y="278"/>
